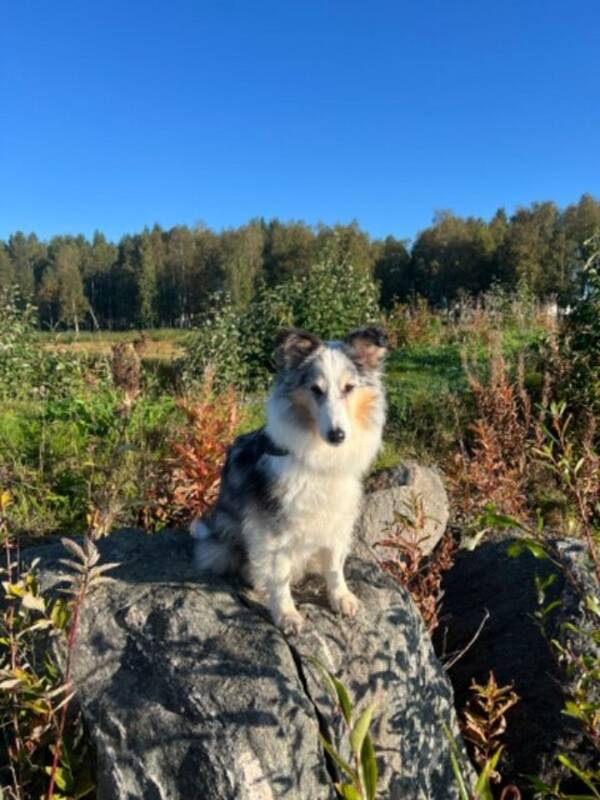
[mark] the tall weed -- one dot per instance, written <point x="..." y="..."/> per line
<point x="44" y="752"/>
<point x="496" y="464"/>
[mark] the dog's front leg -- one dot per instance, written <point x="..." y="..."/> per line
<point x="341" y="599"/>
<point x="276" y="580"/>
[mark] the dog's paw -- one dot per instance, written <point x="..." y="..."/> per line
<point x="290" y="622"/>
<point x="346" y="604"/>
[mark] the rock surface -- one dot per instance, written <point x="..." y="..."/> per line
<point x="189" y="691"/>
<point x="408" y="490"/>
<point x="513" y="647"/>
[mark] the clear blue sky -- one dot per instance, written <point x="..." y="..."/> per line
<point x="116" y="115"/>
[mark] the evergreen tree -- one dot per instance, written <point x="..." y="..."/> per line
<point x="61" y="297"/>
<point x="27" y="255"/>
<point x="176" y="277"/>
<point x="242" y="261"/>
<point x="123" y="283"/>
<point x="47" y="297"/>
<point x="97" y="264"/>
<point x="206" y="276"/>
<point x="7" y="271"/>
<point x="393" y="272"/>
<point x="146" y="283"/>
<point x="168" y="278"/>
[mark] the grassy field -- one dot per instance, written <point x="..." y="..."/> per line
<point x="160" y="344"/>
<point x="415" y="369"/>
<point x="61" y="446"/>
<point x="69" y="441"/>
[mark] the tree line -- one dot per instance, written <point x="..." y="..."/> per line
<point x="168" y="278"/>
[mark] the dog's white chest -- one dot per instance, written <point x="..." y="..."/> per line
<point x="317" y="505"/>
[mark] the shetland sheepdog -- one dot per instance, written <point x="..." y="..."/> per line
<point x="291" y="492"/>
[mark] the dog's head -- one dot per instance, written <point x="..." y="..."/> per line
<point x="332" y="387"/>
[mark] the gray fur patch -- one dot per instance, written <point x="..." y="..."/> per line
<point x="247" y="486"/>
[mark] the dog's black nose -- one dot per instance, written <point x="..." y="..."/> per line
<point x="336" y="436"/>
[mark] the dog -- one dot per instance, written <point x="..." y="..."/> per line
<point x="290" y="492"/>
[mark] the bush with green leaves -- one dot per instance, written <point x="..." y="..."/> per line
<point x="217" y="345"/>
<point x="29" y="370"/>
<point x="581" y="340"/>
<point x="329" y="300"/>
<point x="17" y="348"/>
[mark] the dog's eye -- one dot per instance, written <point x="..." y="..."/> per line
<point x="348" y="388"/>
<point x="317" y="391"/>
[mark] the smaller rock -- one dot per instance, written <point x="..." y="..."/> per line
<point x="488" y="583"/>
<point x="408" y="490"/>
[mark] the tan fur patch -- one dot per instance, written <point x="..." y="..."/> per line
<point x="361" y="404"/>
<point x="302" y="406"/>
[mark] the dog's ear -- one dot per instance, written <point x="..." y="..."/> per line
<point x="292" y="346"/>
<point x="367" y="347"/>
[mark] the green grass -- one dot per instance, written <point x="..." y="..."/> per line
<point x="428" y="403"/>
<point x="253" y="415"/>
<point x="425" y="368"/>
<point x="57" y="455"/>
<point x="438" y="368"/>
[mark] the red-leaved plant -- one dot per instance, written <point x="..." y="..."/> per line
<point x="189" y="477"/>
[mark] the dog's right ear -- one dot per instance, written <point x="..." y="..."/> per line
<point x="293" y="346"/>
<point x="367" y="347"/>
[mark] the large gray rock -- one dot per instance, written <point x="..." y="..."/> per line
<point x="189" y="690"/>
<point x="410" y="491"/>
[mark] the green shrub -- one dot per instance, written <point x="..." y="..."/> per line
<point x="217" y="345"/>
<point x="329" y="300"/>
<point x="29" y="370"/>
<point x="18" y="352"/>
<point x="581" y="340"/>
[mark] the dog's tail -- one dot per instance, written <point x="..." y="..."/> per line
<point x="211" y="553"/>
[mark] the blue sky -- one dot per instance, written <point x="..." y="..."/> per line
<point x="116" y="115"/>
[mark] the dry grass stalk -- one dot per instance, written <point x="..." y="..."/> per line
<point x="405" y="561"/>
<point x="35" y="706"/>
<point x="496" y="467"/>
<point x="483" y="721"/>
<point x="127" y="370"/>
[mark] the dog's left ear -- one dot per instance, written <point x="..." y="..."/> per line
<point x="367" y="347"/>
